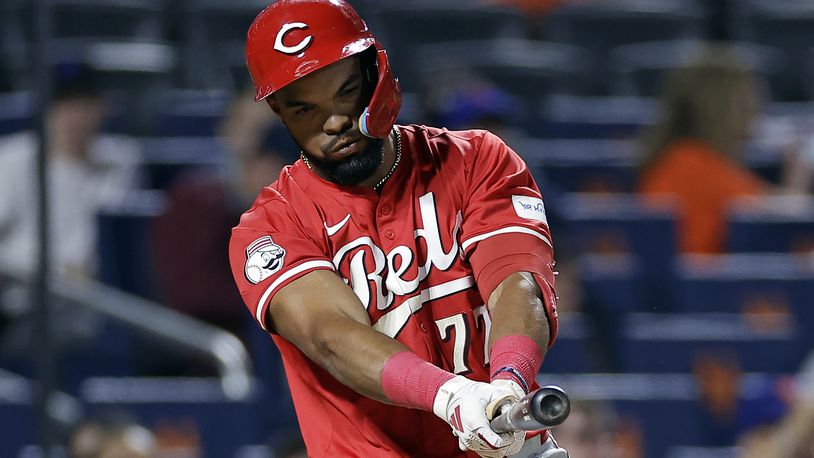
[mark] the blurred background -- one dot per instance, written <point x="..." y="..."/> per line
<point x="673" y="141"/>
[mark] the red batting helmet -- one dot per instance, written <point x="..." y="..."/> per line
<point x="292" y="38"/>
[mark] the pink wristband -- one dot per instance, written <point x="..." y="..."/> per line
<point x="516" y="358"/>
<point x="410" y="381"/>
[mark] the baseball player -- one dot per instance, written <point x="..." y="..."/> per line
<point x="404" y="272"/>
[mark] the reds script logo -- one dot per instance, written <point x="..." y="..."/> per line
<point x="299" y="47"/>
<point x="264" y="258"/>
<point x="388" y="275"/>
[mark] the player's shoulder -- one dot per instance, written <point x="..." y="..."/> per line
<point x="431" y="134"/>
<point x="440" y="144"/>
<point x="274" y="201"/>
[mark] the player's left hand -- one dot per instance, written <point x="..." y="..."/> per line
<point x="514" y="392"/>
<point x="465" y="404"/>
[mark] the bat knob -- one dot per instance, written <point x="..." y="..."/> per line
<point x="551" y="404"/>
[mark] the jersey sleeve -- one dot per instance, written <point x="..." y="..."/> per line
<point x="504" y="228"/>
<point x="269" y="249"/>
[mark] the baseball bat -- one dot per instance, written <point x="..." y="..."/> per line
<point x="543" y="408"/>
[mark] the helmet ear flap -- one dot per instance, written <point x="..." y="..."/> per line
<point x="370" y="69"/>
<point x="380" y="115"/>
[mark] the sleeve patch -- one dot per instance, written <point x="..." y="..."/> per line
<point x="529" y="208"/>
<point x="264" y="258"/>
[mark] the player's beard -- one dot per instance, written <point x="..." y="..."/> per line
<point x="353" y="169"/>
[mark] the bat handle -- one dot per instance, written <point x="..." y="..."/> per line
<point x="546" y="407"/>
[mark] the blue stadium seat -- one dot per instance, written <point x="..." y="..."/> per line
<point x="671" y="343"/>
<point x="640" y="69"/>
<point x="573" y="351"/>
<point x="613" y="286"/>
<point x="17" y="112"/>
<point x="612" y="283"/>
<point x="18" y="416"/>
<point x="772" y="224"/>
<point x="125" y="254"/>
<point x="189" y="113"/>
<point x="569" y="116"/>
<point x="785" y="25"/>
<point x="746" y="283"/>
<point x="653" y="403"/>
<point x="581" y="165"/>
<point x="127" y="19"/>
<point x="214" y="36"/>
<point x="167" y="158"/>
<point x="223" y="426"/>
<point x="623" y="223"/>
<point x="602" y="26"/>
<point x="407" y="26"/>
<point x="702" y="452"/>
<point x="526" y="69"/>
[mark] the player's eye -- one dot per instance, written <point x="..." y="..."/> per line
<point x="349" y="91"/>
<point x="303" y="110"/>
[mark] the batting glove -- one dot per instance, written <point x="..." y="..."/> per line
<point x="465" y="405"/>
<point x="493" y="410"/>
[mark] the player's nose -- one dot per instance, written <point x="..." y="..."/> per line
<point x="337" y="124"/>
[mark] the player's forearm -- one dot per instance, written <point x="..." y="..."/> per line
<point x="516" y="308"/>
<point x="520" y="330"/>
<point x="355" y="353"/>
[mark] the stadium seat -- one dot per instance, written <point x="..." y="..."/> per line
<point x="214" y="35"/>
<point x="785" y="25"/>
<point x="772" y="224"/>
<point x="590" y="117"/>
<point x="672" y="343"/>
<point x="188" y="113"/>
<point x="166" y="158"/>
<point x="602" y="26"/>
<point x="192" y="408"/>
<point x="651" y="404"/>
<point x="580" y="165"/>
<point x="738" y="283"/>
<point x="17" y="112"/>
<point x="612" y="283"/>
<point x="640" y="69"/>
<point x="120" y="19"/>
<point x="573" y="352"/>
<point x="612" y="286"/>
<point x="702" y="452"/>
<point x="125" y="255"/>
<point x="404" y="27"/>
<point x="623" y="223"/>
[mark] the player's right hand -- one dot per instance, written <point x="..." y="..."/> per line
<point x="463" y="404"/>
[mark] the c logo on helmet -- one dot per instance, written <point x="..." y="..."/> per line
<point x="299" y="47"/>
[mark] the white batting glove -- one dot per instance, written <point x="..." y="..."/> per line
<point x="493" y="410"/>
<point x="465" y="405"/>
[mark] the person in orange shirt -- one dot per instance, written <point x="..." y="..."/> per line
<point x="695" y="153"/>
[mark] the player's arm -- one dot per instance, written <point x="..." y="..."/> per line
<point x="517" y="308"/>
<point x="508" y="242"/>
<point x="321" y="316"/>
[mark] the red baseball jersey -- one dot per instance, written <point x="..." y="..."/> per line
<point x="407" y="254"/>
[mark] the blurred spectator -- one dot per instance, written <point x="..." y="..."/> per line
<point x="695" y="152"/>
<point x="477" y="104"/>
<point x="86" y="171"/>
<point x="202" y="209"/>
<point x="730" y="408"/>
<point x="112" y="437"/>
<point x="593" y="429"/>
<point x="793" y="434"/>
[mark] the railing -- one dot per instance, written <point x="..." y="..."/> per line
<point x="159" y="322"/>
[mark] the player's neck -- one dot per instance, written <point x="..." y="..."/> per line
<point x="389" y="153"/>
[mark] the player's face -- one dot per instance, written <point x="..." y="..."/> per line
<point x="321" y="110"/>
